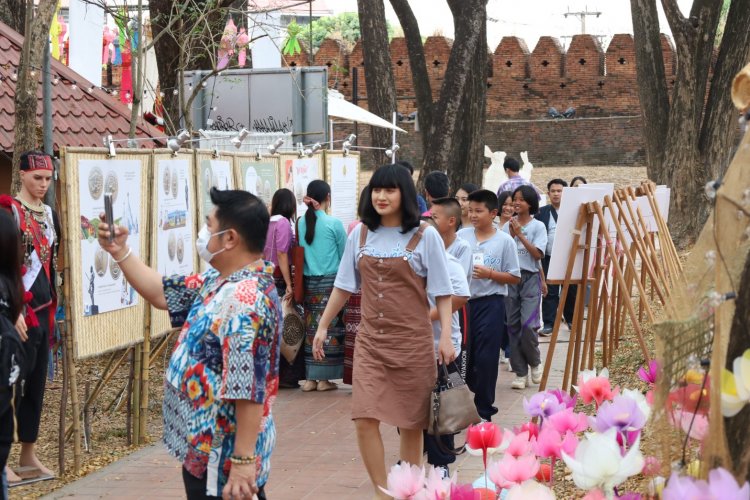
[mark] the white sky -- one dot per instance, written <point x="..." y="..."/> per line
<point x="528" y="19"/>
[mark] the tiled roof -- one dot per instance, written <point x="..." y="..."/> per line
<point x="79" y="118"/>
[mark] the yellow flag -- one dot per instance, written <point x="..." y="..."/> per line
<point x="54" y="32"/>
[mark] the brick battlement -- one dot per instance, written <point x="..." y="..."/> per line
<point x="523" y="84"/>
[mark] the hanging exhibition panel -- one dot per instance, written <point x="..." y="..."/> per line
<point x="213" y="171"/>
<point x="100" y="300"/>
<point x="342" y="173"/>
<point x="259" y="176"/>
<point x="297" y="173"/>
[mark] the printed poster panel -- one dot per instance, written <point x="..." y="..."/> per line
<point x="176" y="226"/>
<point x="344" y="196"/>
<point x="213" y="173"/>
<point x="104" y="286"/>
<point x="298" y="173"/>
<point x="259" y="178"/>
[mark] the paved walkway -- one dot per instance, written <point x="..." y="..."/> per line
<point x="316" y="455"/>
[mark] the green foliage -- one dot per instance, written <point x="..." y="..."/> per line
<point x="344" y="26"/>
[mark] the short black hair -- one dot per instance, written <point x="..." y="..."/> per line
<point x="407" y="165"/>
<point x="436" y="184"/>
<point x="556" y="181"/>
<point x="452" y="206"/>
<point x="485" y="196"/>
<point x="469" y="187"/>
<point x="393" y="175"/>
<point x="284" y="203"/>
<point x="502" y="197"/>
<point x="530" y="196"/>
<point x="578" y="178"/>
<point x="511" y="164"/>
<point x="245" y="213"/>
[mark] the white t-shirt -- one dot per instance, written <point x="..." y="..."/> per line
<point x="460" y="289"/>
<point x="536" y="233"/>
<point x="499" y="253"/>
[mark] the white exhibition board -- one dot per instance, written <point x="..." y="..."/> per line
<point x="298" y="173"/>
<point x="572" y="199"/>
<point x="663" y="197"/>
<point x="175" y="229"/>
<point x="343" y="176"/>
<point x="105" y="289"/>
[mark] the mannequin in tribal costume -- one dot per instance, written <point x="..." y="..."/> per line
<point x="39" y="227"/>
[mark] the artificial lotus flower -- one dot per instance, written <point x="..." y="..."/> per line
<point x="530" y="427"/>
<point x="598" y="462"/>
<point x="692" y="398"/>
<point x="721" y="484"/>
<point x="530" y="489"/>
<point x="519" y="445"/>
<point x="405" y="482"/>
<point x="437" y="487"/>
<point x="542" y="405"/>
<point x="568" y="420"/>
<point x="627" y="439"/>
<point x="564" y="398"/>
<point x="595" y="494"/>
<point x="651" y="373"/>
<point x="629" y="495"/>
<point x="595" y="388"/>
<point x="462" y="492"/>
<point x="735" y="386"/>
<point x="484" y="439"/>
<point x="621" y="413"/>
<point x="511" y="471"/>
<point x="651" y="466"/>
<point x="550" y="443"/>
<point x="693" y="424"/>
<point x="639" y="398"/>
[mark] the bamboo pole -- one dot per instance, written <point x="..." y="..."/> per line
<point x="63" y="409"/>
<point x="577" y="346"/>
<point x="136" y="396"/>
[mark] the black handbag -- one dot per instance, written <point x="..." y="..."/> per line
<point x="452" y="406"/>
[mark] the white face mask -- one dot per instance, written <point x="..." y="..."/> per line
<point x="201" y="244"/>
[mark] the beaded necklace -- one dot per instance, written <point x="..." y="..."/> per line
<point x="37" y="221"/>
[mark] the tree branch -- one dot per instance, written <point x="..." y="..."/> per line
<point x="674" y="17"/>
<point x="417" y="64"/>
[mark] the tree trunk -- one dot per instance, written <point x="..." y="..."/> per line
<point x="735" y="428"/>
<point x="418" y="64"/>
<point x="167" y="60"/>
<point x="32" y="57"/>
<point x="652" y="84"/>
<point x="381" y="88"/>
<point x="470" y="18"/>
<point x="13" y="13"/>
<point x="719" y="135"/>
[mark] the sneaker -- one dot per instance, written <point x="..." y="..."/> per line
<point x="443" y="471"/>
<point x="545" y="332"/>
<point x="503" y="359"/>
<point x="536" y="374"/>
<point x="518" y="383"/>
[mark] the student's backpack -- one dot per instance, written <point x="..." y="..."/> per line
<point x="12" y="361"/>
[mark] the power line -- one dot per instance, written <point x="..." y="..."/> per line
<point x="582" y="14"/>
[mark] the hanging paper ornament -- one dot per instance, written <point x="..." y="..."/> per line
<point x="107" y="39"/>
<point x="243" y="40"/>
<point x="62" y="40"/>
<point x="226" y="46"/>
<point x="126" y="81"/>
<point x="54" y="32"/>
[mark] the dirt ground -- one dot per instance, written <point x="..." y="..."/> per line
<point x="108" y="441"/>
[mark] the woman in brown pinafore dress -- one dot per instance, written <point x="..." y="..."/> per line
<point x="388" y="257"/>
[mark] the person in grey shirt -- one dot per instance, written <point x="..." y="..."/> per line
<point x="523" y="300"/>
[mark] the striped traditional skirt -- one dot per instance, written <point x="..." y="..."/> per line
<point x="317" y="291"/>
<point x="352" y="317"/>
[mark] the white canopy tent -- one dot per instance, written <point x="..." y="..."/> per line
<point x="339" y="107"/>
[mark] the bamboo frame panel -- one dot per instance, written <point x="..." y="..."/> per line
<point x="104" y="332"/>
<point x="265" y="188"/>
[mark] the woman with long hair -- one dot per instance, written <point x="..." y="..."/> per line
<point x="462" y="195"/>
<point x="396" y="261"/>
<point x="323" y="237"/>
<point x="524" y="299"/>
<point x="505" y="205"/>
<point x="279" y="242"/>
<point x="11" y="307"/>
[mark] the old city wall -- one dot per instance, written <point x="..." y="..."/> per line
<point x="522" y="86"/>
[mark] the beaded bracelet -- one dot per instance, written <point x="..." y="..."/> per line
<point x="242" y="460"/>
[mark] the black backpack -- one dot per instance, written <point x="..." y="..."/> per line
<point x="12" y="360"/>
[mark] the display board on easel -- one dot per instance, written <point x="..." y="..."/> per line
<point x="99" y="299"/>
<point x="297" y="173"/>
<point x="173" y="225"/>
<point x="213" y="170"/>
<point x="342" y="173"/>
<point x="260" y="176"/>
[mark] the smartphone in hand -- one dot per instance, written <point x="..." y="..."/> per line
<point x="109" y="216"/>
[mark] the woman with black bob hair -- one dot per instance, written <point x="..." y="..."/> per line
<point x="323" y="237"/>
<point x="11" y="306"/>
<point x="396" y="262"/>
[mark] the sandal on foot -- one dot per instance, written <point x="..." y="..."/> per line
<point x="309" y="386"/>
<point x="325" y="385"/>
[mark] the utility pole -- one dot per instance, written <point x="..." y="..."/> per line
<point x="582" y="15"/>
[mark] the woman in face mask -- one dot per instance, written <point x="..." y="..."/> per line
<point x="323" y="238"/>
<point x="223" y="372"/>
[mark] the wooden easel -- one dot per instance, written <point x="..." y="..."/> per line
<point x="581" y="347"/>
